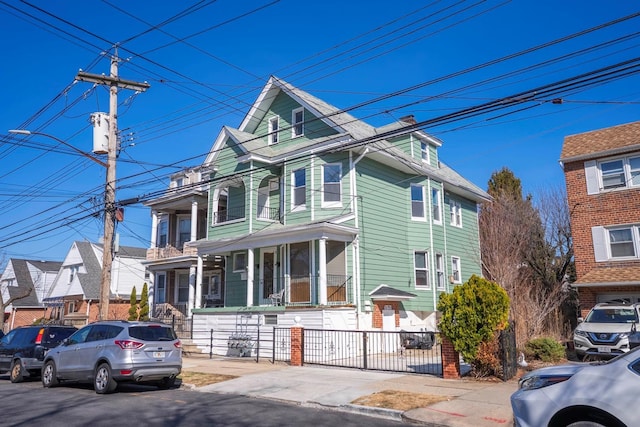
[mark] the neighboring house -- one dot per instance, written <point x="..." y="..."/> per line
<point x="179" y="216"/>
<point x="26" y="277"/>
<point x="602" y="173"/>
<point x="74" y="296"/>
<point x="314" y="213"/>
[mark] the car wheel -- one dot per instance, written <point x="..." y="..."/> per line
<point x="103" y="382"/>
<point x="17" y="372"/>
<point x="49" y="375"/>
<point x="167" y="383"/>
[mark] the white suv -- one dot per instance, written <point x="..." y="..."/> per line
<point x="604" y="333"/>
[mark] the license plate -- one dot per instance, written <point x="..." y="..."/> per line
<point x="158" y="354"/>
<point x="604" y="350"/>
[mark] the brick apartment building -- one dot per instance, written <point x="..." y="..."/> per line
<point x="602" y="175"/>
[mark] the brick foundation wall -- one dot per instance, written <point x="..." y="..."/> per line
<point x="378" y="306"/>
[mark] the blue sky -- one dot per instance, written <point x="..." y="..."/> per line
<point x="206" y="67"/>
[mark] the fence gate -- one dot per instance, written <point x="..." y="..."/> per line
<point x="508" y="352"/>
<point x="413" y="352"/>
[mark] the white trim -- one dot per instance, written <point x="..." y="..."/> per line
<point x="333" y="203"/>
<point x="426" y="268"/>
<point x="424" y="206"/>
<point x="274" y="132"/>
<point x="294" y="206"/>
<point x="295" y="124"/>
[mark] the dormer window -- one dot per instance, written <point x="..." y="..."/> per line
<point x="274" y="126"/>
<point x="297" y="122"/>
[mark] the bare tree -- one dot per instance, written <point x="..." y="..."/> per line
<point x="527" y="250"/>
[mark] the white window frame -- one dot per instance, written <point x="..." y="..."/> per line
<point x="297" y="127"/>
<point x="424" y="151"/>
<point x="436" y="206"/>
<point x="635" y="238"/>
<point x="179" y="220"/>
<point x="73" y="272"/>
<point x="160" y="294"/>
<point x="182" y="286"/>
<point x="274" y="130"/>
<point x="417" y="203"/>
<point x="595" y="176"/>
<point x="239" y="262"/>
<point x="301" y="189"/>
<point x="425" y="269"/>
<point x="326" y="185"/>
<point x="455" y="210"/>
<point x="163" y="231"/>
<point x="440" y="277"/>
<point x="456" y="275"/>
<point x="213" y="280"/>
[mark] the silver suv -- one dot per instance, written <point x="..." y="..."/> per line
<point x="604" y="333"/>
<point x="110" y="352"/>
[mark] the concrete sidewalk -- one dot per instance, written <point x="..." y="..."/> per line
<point x="472" y="403"/>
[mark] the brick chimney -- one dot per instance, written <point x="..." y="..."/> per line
<point x="410" y="119"/>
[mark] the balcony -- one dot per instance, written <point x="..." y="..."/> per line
<point x="269" y="214"/>
<point x="169" y="252"/>
<point x="228" y="215"/>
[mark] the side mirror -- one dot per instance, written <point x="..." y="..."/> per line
<point x="580" y="319"/>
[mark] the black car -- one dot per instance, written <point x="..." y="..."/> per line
<point x="22" y="349"/>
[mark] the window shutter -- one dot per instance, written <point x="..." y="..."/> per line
<point x="591" y="174"/>
<point x="599" y="243"/>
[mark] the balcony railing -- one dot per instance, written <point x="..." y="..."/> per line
<point x="228" y="215"/>
<point x="169" y="252"/>
<point x="272" y="214"/>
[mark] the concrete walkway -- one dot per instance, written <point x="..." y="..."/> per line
<point x="474" y="403"/>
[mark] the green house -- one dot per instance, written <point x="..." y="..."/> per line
<point x="310" y="210"/>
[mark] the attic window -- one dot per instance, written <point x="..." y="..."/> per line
<point x="297" y="121"/>
<point x="273" y="130"/>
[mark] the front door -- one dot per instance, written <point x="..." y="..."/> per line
<point x="267" y="275"/>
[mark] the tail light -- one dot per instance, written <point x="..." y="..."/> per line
<point x="177" y="344"/>
<point x="40" y="335"/>
<point x="128" y="344"/>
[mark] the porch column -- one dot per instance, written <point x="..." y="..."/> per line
<point x="250" y="262"/>
<point x="192" y="288"/>
<point x="154" y="228"/>
<point x="194" y="220"/>
<point x="322" y="271"/>
<point x="199" y="282"/>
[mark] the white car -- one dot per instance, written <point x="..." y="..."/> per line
<point x="580" y="394"/>
<point x="604" y="333"/>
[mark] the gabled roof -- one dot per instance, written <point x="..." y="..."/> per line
<point x="348" y="129"/>
<point x="602" y="142"/>
<point x="24" y="281"/>
<point x="388" y="293"/>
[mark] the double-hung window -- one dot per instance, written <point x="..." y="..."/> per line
<point x="611" y="174"/>
<point x="455" y="270"/>
<point x="435" y="206"/>
<point x="297" y="122"/>
<point x="440" y="271"/>
<point x="160" y="294"/>
<point x="239" y="262"/>
<point x="183" y="287"/>
<point x="184" y="231"/>
<point x="455" y="210"/>
<point x="417" y="201"/>
<point x="299" y="192"/>
<point x="424" y="152"/>
<point x="331" y="185"/>
<point x="274" y="126"/>
<point x="163" y="233"/>
<point x="421" y="268"/>
<point x="621" y="242"/>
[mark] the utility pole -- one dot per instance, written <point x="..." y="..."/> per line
<point x="114" y="82"/>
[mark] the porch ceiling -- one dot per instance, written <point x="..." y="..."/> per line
<point x="279" y="236"/>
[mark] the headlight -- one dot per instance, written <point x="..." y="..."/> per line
<point x="580" y="332"/>
<point x="624" y="335"/>
<point x="540" y="381"/>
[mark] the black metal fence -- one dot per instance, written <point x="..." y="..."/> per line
<point x="414" y="352"/>
<point x="508" y="352"/>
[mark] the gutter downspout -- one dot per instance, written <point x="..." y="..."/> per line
<point x="356" y="249"/>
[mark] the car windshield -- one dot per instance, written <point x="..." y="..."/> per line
<point x="152" y="333"/>
<point x="612" y="315"/>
